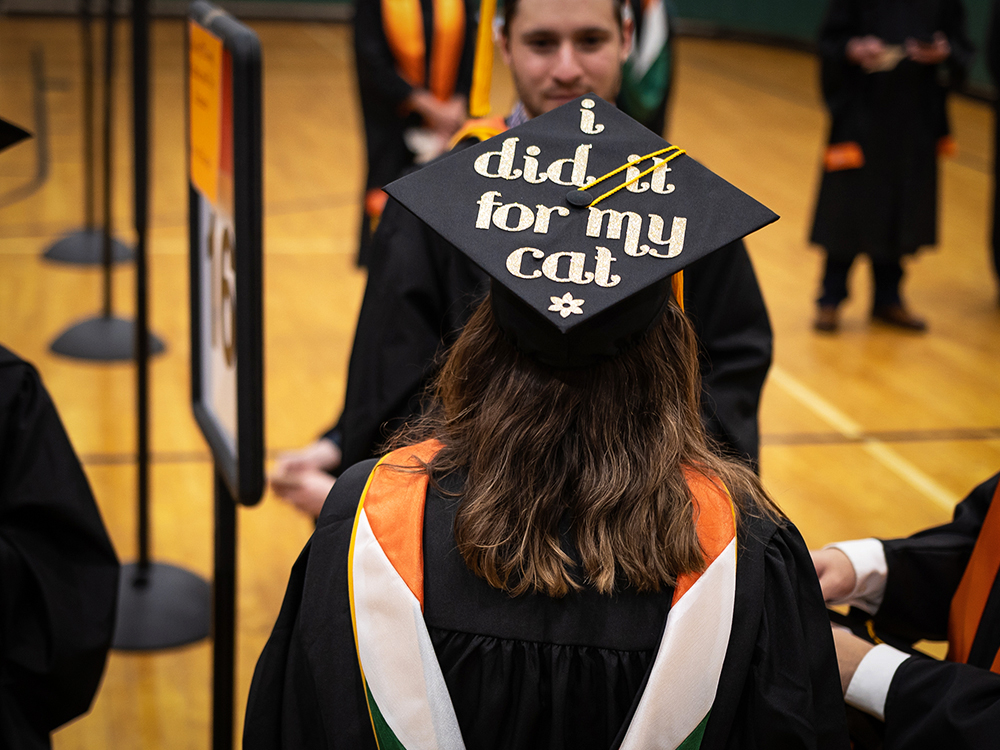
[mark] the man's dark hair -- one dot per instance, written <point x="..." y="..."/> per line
<point x="510" y="10"/>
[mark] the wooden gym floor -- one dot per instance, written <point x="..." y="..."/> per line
<point x="869" y="432"/>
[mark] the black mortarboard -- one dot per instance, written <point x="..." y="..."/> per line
<point x="11" y="134"/>
<point x="580" y="217"/>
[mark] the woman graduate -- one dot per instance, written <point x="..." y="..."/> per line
<point x="556" y="557"/>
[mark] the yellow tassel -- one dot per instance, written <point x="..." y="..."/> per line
<point x="870" y="626"/>
<point x="638" y="177"/>
<point x="482" y="69"/>
<point x="677" y="283"/>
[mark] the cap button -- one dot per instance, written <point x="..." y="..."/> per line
<point x="579" y="198"/>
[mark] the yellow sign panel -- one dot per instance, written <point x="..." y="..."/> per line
<point x="205" y="105"/>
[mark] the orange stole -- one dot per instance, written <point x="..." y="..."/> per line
<point x="970" y="598"/>
<point x="394" y="504"/>
<point x="403" y="23"/>
<point x="449" y="38"/>
<point x="714" y="522"/>
<point x="841" y="156"/>
<point x="946" y="146"/>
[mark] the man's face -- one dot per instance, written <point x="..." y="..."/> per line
<point x="558" y="50"/>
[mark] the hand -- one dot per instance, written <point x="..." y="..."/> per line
<point x="929" y="53"/>
<point x="306" y="489"/>
<point x="850" y="651"/>
<point x="836" y="575"/>
<point x="866" y="51"/>
<point x="443" y="117"/>
<point x="302" y="477"/>
<point x="323" y="454"/>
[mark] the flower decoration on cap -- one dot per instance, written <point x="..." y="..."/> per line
<point x="566" y="305"/>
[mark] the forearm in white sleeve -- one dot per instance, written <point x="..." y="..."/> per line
<point x="868" y="558"/>
<point x="870" y="684"/>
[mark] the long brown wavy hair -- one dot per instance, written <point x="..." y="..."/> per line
<point x="597" y="451"/>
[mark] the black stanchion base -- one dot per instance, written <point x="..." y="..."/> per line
<point x="103" y="340"/>
<point x="86" y="248"/>
<point x="161" y="607"/>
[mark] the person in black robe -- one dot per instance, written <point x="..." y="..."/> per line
<point x="420" y="292"/>
<point x="886" y="68"/>
<point x="993" y="64"/>
<point x="58" y="570"/>
<point x="907" y="588"/>
<point x="778" y="686"/>
<point x="396" y="104"/>
<point x="564" y="491"/>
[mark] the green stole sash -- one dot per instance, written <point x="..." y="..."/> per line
<point x="407" y="696"/>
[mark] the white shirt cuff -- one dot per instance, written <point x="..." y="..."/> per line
<point x="868" y="558"/>
<point x="870" y="684"/>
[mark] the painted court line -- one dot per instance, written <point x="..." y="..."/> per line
<point x="874" y="447"/>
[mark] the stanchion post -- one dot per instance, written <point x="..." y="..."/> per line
<point x="140" y="145"/>
<point x="109" y="64"/>
<point x="87" y="43"/>
<point x="103" y="338"/>
<point x="159" y="605"/>
<point x="85" y="247"/>
<point x="223" y="617"/>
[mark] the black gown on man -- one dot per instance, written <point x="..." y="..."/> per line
<point x="882" y="201"/>
<point x="931" y="703"/>
<point x="421" y="291"/>
<point x="383" y="90"/>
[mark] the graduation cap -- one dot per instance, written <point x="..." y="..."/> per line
<point x="580" y="217"/>
<point x="11" y="134"/>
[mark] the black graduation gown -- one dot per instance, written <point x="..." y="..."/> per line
<point x="383" y="90"/>
<point x="888" y="207"/>
<point x="540" y="672"/>
<point x="421" y="291"/>
<point x="58" y="571"/>
<point x="940" y="704"/>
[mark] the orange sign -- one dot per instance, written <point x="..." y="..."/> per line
<point x="205" y="90"/>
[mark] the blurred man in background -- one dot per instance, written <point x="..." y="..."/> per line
<point x="414" y="66"/>
<point x="882" y="68"/>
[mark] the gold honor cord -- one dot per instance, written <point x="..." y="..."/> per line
<point x="482" y="67"/>
<point x="677" y="280"/>
<point x="677" y="152"/>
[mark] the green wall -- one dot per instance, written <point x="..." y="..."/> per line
<point x="797" y="19"/>
<point x="800" y="19"/>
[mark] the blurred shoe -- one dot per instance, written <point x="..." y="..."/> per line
<point x="899" y="317"/>
<point x="827" y="319"/>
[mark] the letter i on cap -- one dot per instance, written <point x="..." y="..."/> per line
<point x="580" y="217"/>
